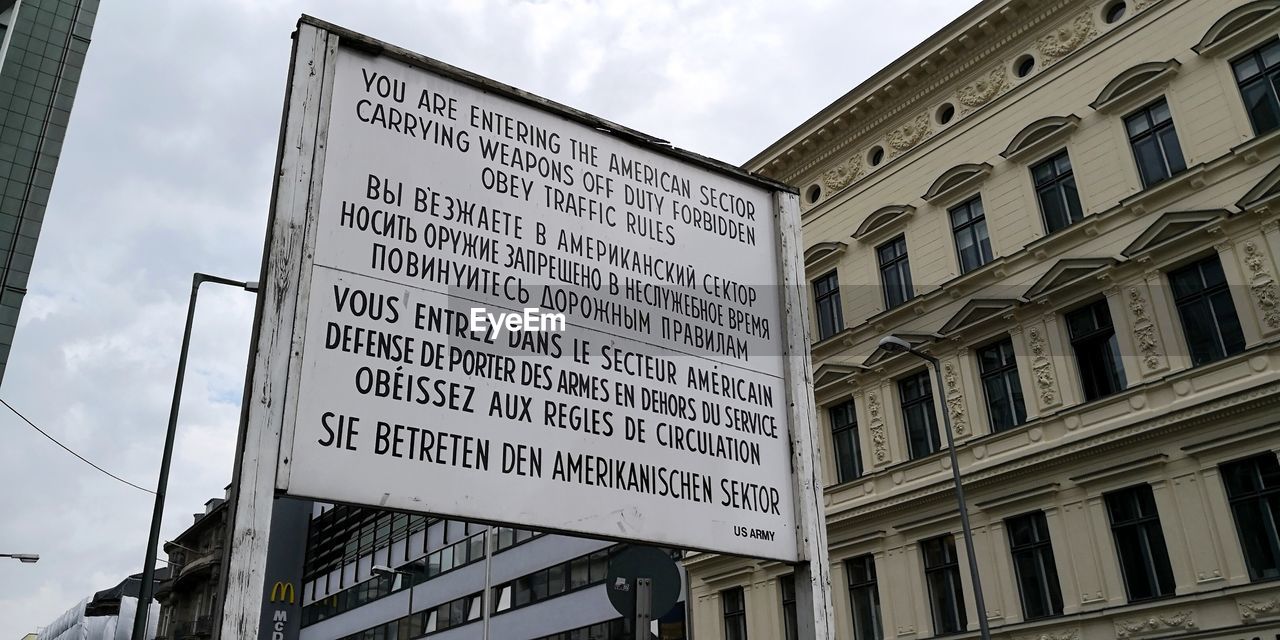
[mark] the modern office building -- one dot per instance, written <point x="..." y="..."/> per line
<point x="42" y="49"/>
<point x="1069" y="204"/>
<point x="544" y="586"/>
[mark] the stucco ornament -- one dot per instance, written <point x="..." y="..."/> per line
<point x="1265" y="291"/>
<point x="1067" y="38"/>
<point x="982" y="90"/>
<point x="1254" y="609"/>
<point x="955" y="401"/>
<point x="841" y="175"/>
<point x="1155" y="623"/>
<point x="879" y="440"/>
<point x="908" y="135"/>
<point x="1070" y="634"/>
<point x="1144" y="330"/>
<point x="1041" y="367"/>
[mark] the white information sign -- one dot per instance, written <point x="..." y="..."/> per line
<point x="514" y="317"/>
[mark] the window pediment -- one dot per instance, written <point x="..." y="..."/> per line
<point x="1170" y="226"/>
<point x="916" y="340"/>
<point x="883" y="218"/>
<point x="1263" y="192"/>
<point x="822" y="253"/>
<point x="1135" y="84"/>
<point x="1066" y="272"/>
<point x="1236" y="25"/>
<point x="1040" y="134"/>
<point x="975" y="312"/>
<point x="956" y="180"/>
<point x="831" y="374"/>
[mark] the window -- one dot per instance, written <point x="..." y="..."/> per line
<point x="1024" y="66"/>
<point x="1257" y="73"/>
<point x="969" y="224"/>
<point x="1114" y="12"/>
<point x="864" y="598"/>
<point x="735" y="614"/>
<point x="1000" y="385"/>
<point x="1056" y="191"/>
<point x="917" y="414"/>
<point x="787" y="584"/>
<point x="1208" y="316"/>
<point x="1155" y="143"/>
<point x="556" y="580"/>
<point x="1144" y="559"/>
<point x="1033" y="565"/>
<point x="1253" y="487"/>
<point x="1097" y="355"/>
<point x="895" y="272"/>
<point x="942" y="574"/>
<point x="826" y="298"/>
<point x="844" y="438"/>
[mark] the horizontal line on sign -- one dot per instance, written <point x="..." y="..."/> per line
<point x="602" y="331"/>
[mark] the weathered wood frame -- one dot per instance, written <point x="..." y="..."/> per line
<point x="280" y="318"/>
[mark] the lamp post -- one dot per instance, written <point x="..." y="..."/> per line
<point x="147" y="588"/>
<point x="383" y="570"/>
<point x="894" y="344"/>
<point x="24" y="558"/>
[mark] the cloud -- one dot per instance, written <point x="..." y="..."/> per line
<point x="167" y="170"/>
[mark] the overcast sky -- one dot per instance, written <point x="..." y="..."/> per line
<point x="167" y="170"/>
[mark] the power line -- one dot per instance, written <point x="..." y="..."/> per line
<point x="68" y="449"/>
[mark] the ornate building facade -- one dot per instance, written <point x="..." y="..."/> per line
<point x="1069" y="204"/>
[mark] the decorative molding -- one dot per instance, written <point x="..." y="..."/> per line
<point x="1067" y="272"/>
<point x="1263" y="286"/>
<point x="883" y="218"/>
<point x="1235" y="25"/>
<point x="955" y="400"/>
<point x="1264" y="191"/>
<point x="1251" y="610"/>
<point x="842" y="175"/>
<point x="911" y="133"/>
<point x="879" y="439"/>
<point x="1155" y="623"/>
<point x="822" y="253"/>
<point x="986" y="87"/>
<point x="963" y="177"/>
<point x="1144" y="330"/>
<point x="1066" y="38"/>
<point x="977" y="311"/>
<point x="1172" y="226"/>
<point x="1038" y="135"/>
<point x="1134" y="84"/>
<point x="1070" y="634"/>
<point x="1041" y="367"/>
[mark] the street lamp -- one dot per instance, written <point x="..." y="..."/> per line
<point x="147" y="588"/>
<point x="24" y="558"/>
<point x="894" y="344"/>
<point x="383" y="570"/>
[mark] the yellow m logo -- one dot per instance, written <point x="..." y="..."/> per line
<point x="282" y="591"/>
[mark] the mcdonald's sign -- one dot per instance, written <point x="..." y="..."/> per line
<point x="282" y="591"/>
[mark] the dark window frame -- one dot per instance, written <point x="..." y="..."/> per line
<point x="1141" y="532"/>
<point x="974" y="227"/>
<point x="787" y="594"/>
<point x="892" y="256"/>
<point x="921" y="388"/>
<point x="1100" y="346"/>
<point x="1054" y="184"/>
<point x="1264" y="497"/>
<point x="947" y="610"/>
<point x="735" y="620"/>
<point x="1037" y="552"/>
<point x="826" y="304"/>
<point x="1160" y="132"/>
<point x="1263" y="80"/>
<point x="1225" y="337"/>
<point x="864" y="595"/>
<point x="844" y="431"/>
<point x="1006" y="374"/>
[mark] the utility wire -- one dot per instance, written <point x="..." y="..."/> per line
<point x="68" y="449"/>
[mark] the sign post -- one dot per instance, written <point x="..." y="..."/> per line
<point x="468" y="286"/>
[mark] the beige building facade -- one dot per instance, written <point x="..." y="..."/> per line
<point x="1070" y="204"/>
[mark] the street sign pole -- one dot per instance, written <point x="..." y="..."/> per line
<point x="813" y="573"/>
<point x="644" y="606"/>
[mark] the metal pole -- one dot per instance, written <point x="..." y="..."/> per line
<point x="644" y="607"/>
<point x="147" y="588"/>
<point x="978" y="600"/>
<point x="488" y="578"/>
<point x="408" y="575"/>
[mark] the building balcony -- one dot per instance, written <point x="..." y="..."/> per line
<point x="199" y="628"/>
